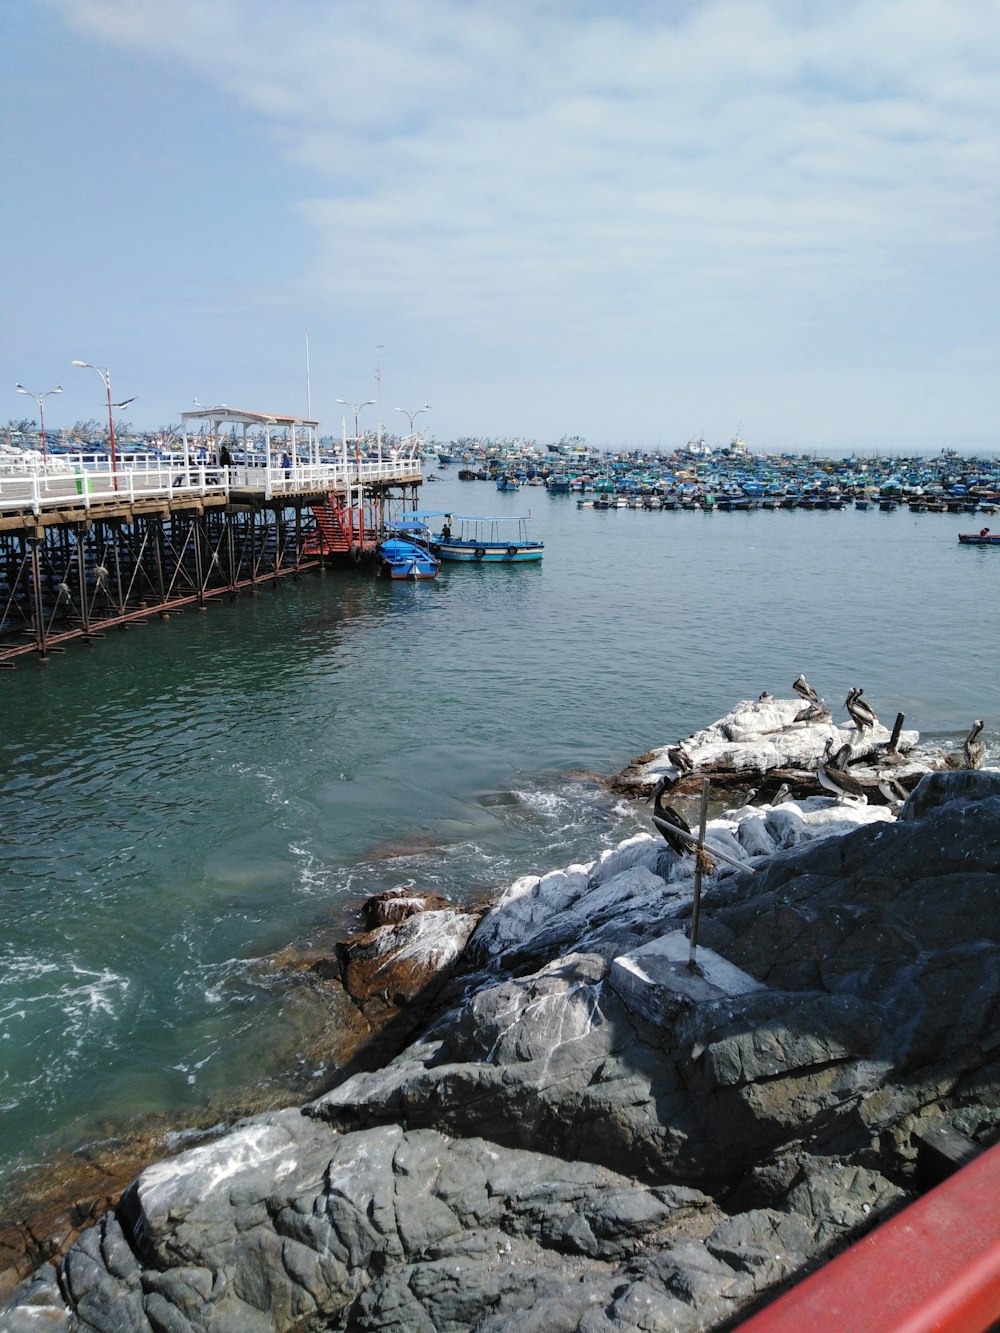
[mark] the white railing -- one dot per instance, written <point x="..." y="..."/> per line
<point x="75" y="481"/>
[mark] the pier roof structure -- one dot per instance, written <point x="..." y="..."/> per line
<point x="241" y="417"/>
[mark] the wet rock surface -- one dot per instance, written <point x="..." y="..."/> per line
<point x="589" y="1135"/>
<point x="411" y="947"/>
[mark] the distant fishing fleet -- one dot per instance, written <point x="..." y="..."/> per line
<point x="734" y="480"/>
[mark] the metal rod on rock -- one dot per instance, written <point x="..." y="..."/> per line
<point x="698" y="862"/>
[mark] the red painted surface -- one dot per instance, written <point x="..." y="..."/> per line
<point x="935" y="1266"/>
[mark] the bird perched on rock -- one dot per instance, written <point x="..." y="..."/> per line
<point x="814" y="712"/>
<point x="892" y="789"/>
<point x="804" y="690"/>
<point x="835" y="779"/>
<point x="843" y="756"/>
<point x="975" y="749"/>
<point x="860" y="709"/>
<point x="680" y="758"/>
<point x="764" y="697"/>
<point x="667" y="819"/>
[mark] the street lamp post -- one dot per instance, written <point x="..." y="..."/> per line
<point x="40" y="400"/>
<point x="106" y="377"/>
<point x="356" y="408"/>
<point x="378" y="403"/>
<point x="411" y="416"/>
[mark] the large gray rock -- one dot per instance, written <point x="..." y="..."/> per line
<point x="545" y="1155"/>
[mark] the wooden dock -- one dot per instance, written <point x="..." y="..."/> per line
<point x="85" y="547"/>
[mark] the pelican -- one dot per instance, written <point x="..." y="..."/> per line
<point x="842" y="758"/>
<point x="892" y="789"/>
<point x="680" y="758"/>
<point x="860" y="709"/>
<point x="783" y="794"/>
<point x="665" y="815"/>
<point x="764" y="697"/>
<point x="813" y="712"/>
<point x="804" y="690"/>
<point x="834" y="779"/>
<point x="975" y="749"/>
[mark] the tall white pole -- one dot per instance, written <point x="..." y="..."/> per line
<point x="309" y="403"/>
<point x="378" y="402"/>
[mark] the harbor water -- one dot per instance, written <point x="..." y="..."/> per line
<point x="183" y="800"/>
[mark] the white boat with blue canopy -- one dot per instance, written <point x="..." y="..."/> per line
<point x="478" y="540"/>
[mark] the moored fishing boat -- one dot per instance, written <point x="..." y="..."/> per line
<point x="492" y="541"/>
<point x="404" y="553"/>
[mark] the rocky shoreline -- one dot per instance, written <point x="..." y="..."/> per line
<point x="577" y="1129"/>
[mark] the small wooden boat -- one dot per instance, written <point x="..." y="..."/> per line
<point x="984" y="538"/>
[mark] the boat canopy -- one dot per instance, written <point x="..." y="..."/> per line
<point x="477" y="518"/>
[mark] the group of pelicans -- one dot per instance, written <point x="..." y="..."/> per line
<point x="831" y="767"/>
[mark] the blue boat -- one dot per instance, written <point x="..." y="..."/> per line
<point x="507" y="483"/>
<point x="405" y="553"/>
<point x="490" y="541"/>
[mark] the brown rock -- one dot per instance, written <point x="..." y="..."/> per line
<point x="394" y="905"/>
<point x="399" y="963"/>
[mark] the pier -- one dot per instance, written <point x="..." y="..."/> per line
<point x="93" y="542"/>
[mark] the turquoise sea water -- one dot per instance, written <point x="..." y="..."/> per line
<point x="185" y="798"/>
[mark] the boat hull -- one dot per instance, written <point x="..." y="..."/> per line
<point x="400" y="559"/>
<point x="409" y="572"/>
<point x="979" y="539"/>
<point x="489" y="553"/>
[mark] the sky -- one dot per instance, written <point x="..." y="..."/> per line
<point x="638" y="223"/>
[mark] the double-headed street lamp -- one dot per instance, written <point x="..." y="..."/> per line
<point x="106" y="377"/>
<point x="356" y="408"/>
<point x="40" y="400"/>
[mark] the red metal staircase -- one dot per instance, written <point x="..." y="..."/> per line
<point x="337" y="528"/>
